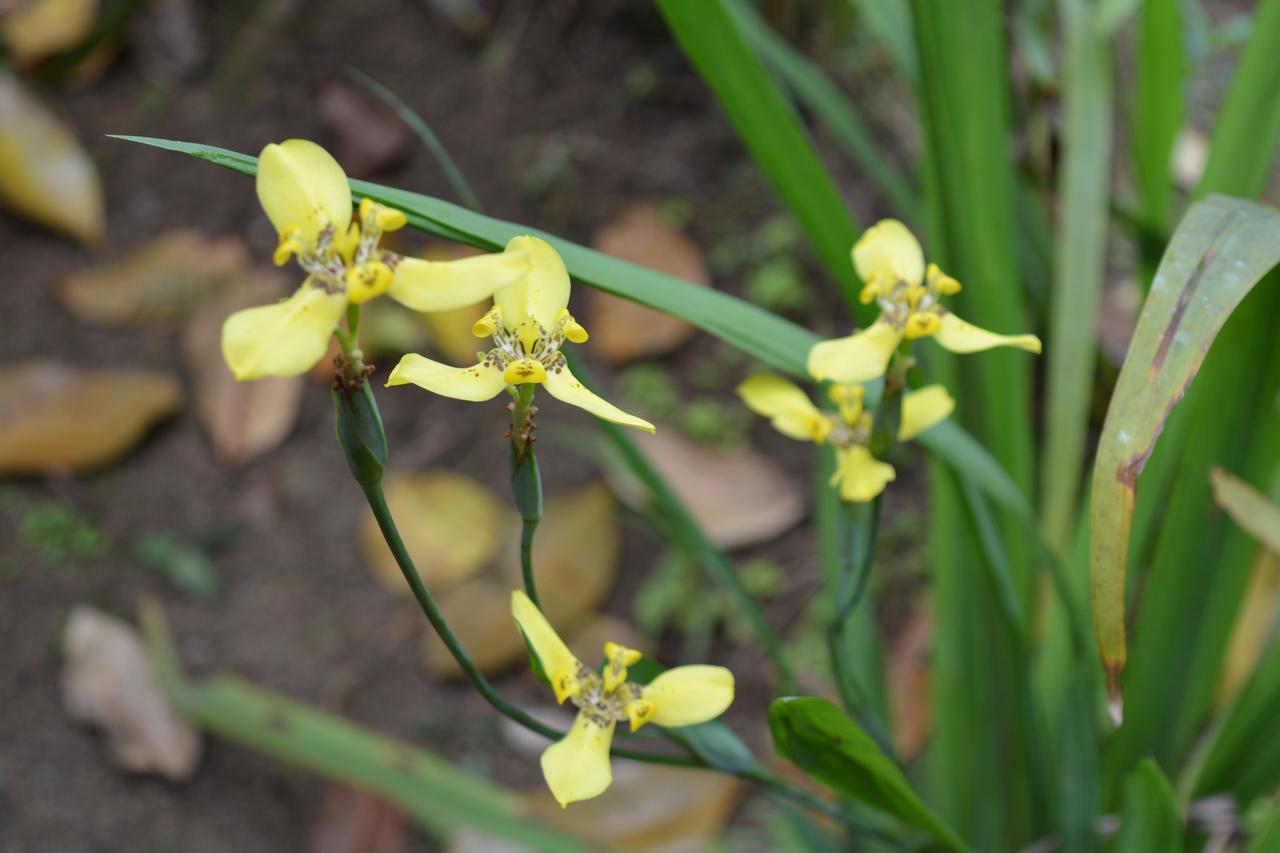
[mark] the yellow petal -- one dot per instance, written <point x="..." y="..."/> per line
<point x="922" y="409"/>
<point x="299" y="183"/>
<point x="284" y="339"/>
<point x="860" y="357"/>
<point x="525" y="371"/>
<point x="478" y="382"/>
<point x="562" y="385"/>
<point x="959" y="336"/>
<point x="577" y="768"/>
<point x="888" y="251"/>
<point x="542" y="292"/>
<point x="446" y="285"/>
<point x="860" y="475"/>
<point x="554" y="655"/>
<point x="789" y="409"/>
<point x="687" y="695"/>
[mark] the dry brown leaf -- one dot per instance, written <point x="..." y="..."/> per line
<point x="737" y="496"/>
<point x="157" y="285"/>
<point x="353" y="820"/>
<point x="910" y="682"/>
<point x="107" y="681"/>
<point x="622" y="330"/>
<point x="54" y="419"/>
<point x="368" y="136"/>
<point x="35" y="29"/>
<point x="575" y="558"/>
<point x="44" y="173"/>
<point x="243" y="419"/>
<point x="452" y="526"/>
<point x="648" y="807"/>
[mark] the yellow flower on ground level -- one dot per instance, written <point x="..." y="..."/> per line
<point x="529" y="323"/>
<point x="891" y="263"/>
<point x="577" y="767"/>
<point x="307" y="198"/>
<point x="859" y="475"/>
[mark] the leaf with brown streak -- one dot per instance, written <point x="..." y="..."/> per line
<point x="1222" y="248"/>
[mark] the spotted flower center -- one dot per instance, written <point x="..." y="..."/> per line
<point x="607" y="697"/>
<point x="526" y="352"/>
<point x="350" y="262"/>
<point x="913" y="307"/>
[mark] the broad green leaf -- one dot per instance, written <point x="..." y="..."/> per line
<point x="435" y="792"/>
<point x="1149" y="818"/>
<point x="1253" y="511"/>
<point x="822" y="741"/>
<point x="1219" y="252"/>
<point x="829" y="105"/>
<point x="1079" y="262"/>
<point x="769" y="128"/>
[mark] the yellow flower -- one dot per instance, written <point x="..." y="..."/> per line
<point x="529" y="323"/>
<point x="307" y="198"/>
<point x="859" y="475"/>
<point x="889" y="259"/>
<point x="577" y="767"/>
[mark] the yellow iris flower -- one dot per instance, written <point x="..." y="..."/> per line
<point x="891" y="263"/>
<point x="529" y="323"/>
<point x="577" y="767"/>
<point x="859" y="475"/>
<point x="307" y="198"/>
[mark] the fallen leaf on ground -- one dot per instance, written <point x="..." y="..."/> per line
<point x="107" y="681"/>
<point x="737" y="496"/>
<point x="1190" y="156"/>
<point x="368" y="136"/>
<point x="452" y="526"/>
<point x="353" y="820"/>
<point x="55" y="419"/>
<point x="575" y="558"/>
<point x="910" y="682"/>
<point x="44" y="173"/>
<point x="622" y="330"/>
<point x="35" y="29"/>
<point x="157" y="285"/>
<point x="243" y="419"/>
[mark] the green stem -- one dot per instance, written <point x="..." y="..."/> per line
<point x="526" y="482"/>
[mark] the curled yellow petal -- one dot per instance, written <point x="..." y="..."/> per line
<point x="860" y="357"/>
<point x="478" y="382"/>
<point x="860" y="475"/>
<point x="300" y="184"/>
<point x="687" y="695"/>
<point x="542" y="293"/>
<point x="922" y="409"/>
<point x="284" y="339"/>
<point x="577" y="768"/>
<point x="446" y="285"/>
<point x="554" y="655"/>
<point x="889" y="252"/>
<point x="958" y="336"/>
<point x="789" y="409"/>
<point x="562" y="385"/>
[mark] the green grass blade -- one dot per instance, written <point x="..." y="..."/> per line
<point x="1079" y="264"/>
<point x="1158" y="107"/>
<point x="890" y="22"/>
<point x="829" y="105"/>
<point x="1149" y="818"/>
<point x="771" y="131"/>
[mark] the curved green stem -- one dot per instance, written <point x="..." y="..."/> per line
<point x="526" y="482"/>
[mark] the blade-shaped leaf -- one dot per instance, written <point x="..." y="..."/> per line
<point x="1248" y="507"/>
<point x="1149" y="818"/>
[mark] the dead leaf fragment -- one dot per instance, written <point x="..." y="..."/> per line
<point x="107" y="681"/>
<point x="369" y="137"/>
<point x="452" y="526"/>
<point x="910" y="682"/>
<point x="243" y="419"/>
<point x="54" y="419"/>
<point x="737" y="496"/>
<point x="44" y="173"/>
<point x="159" y="284"/>
<point x="622" y="330"/>
<point x="353" y="820"/>
<point x="38" y="28"/>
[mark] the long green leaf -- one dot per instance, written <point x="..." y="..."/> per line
<point x="890" y="22"/>
<point x="829" y="105"/>
<point x="1158" y="107"/>
<point x="1149" y="819"/>
<point x="829" y="746"/>
<point x="1079" y="263"/>
<point x="767" y="126"/>
<point x="1220" y="251"/>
